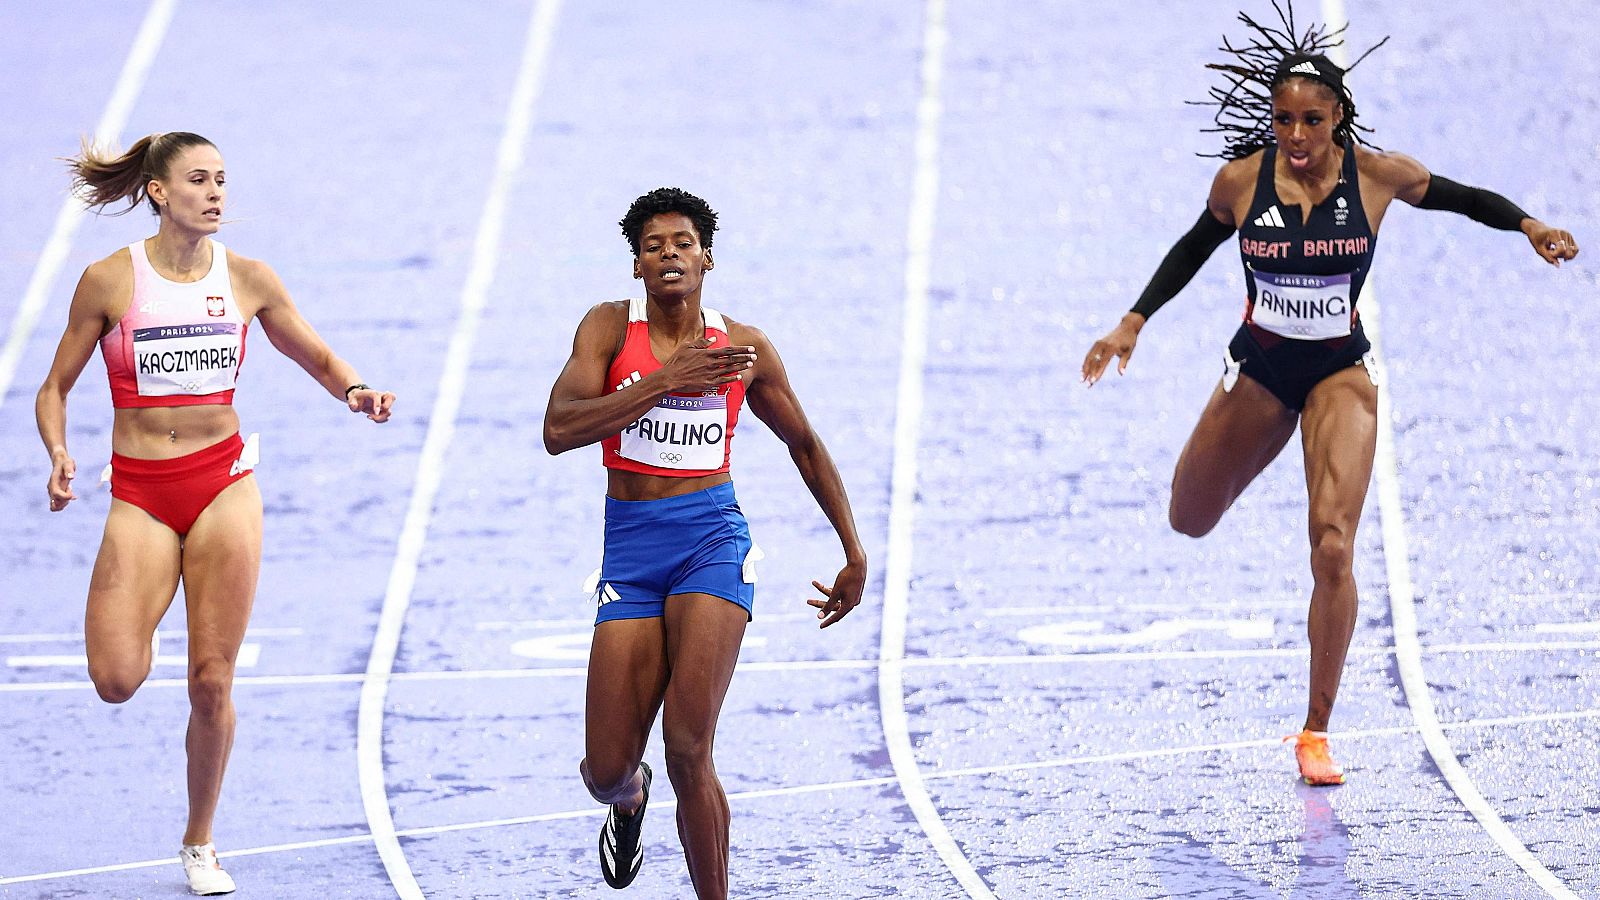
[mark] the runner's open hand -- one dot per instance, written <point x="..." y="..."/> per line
<point x="1118" y="343"/>
<point x="62" y="471"/>
<point x="844" y="596"/>
<point x="1554" y="244"/>
<point x="697" y="367"/>
<point x="376" y="404"/>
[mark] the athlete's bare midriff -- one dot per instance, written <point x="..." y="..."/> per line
<point x="623" y="485"/>
<point x="167" y="432"/>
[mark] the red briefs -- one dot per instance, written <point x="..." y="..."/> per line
<point x="176" y="491"/>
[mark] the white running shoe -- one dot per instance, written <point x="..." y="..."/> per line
<point x="205" y="873"/>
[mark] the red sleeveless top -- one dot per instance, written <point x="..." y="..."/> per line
<point x="685" y="435"/>
<point x="179" y="343"/>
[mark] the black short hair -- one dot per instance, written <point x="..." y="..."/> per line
<point x="669" y="200"/>
<point x="1244" y="104"/>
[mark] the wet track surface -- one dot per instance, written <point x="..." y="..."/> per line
<point x="1094" y="701"/>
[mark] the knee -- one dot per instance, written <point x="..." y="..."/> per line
<point x="607" y="778"/>
<point x="115" y="686"/>
<point x="688" y="754"/>
<point x="1332" y="554"/>
<point x="210" y="686"/>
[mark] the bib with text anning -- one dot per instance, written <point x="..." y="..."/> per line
<point x="1302" y="307"/>
<point x="680" y="433"/>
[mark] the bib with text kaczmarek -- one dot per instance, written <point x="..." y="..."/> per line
<point x="1302" y="307"/>
<point x="186" y="359"/>
<point x="680" y="433"/>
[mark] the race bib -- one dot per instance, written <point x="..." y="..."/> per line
<point x="1303" y="307"/>
<point x="171" y="360"/>
<point x="680" y="433"/>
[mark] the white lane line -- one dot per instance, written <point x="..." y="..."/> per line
<point x="1402" y="598"/>
<point x="518" y="624"/>
<point x="666" y="803"/>
<point x="595" y="812"/>
<point x="249" y="657"/>
<point x="108" y="131"/>
<point x="441" y="427"/>
<point x="907" y="435"/>
<point x="812" y="665"/>
<point x="173" y="634"/>
<point x="1408" y="648"/>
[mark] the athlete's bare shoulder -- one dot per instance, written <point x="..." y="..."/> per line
<point x="1395" y="171"/>
<point x="253" y="273"/>
<point x="107" y="284"/>
<point x="601" y="331"/>
<point x="609" y="308"/>
<point x="111" y="269"/>
<point x="1240" y="174"/>
<point x="1233" y="187"/>
<point x="256" y="287"/>
<point x="741" y="334"/>
<point x="607" y="315"/>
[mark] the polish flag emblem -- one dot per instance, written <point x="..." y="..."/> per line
<point x="216" y="307"/>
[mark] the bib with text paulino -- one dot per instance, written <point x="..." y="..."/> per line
<point x="1302" y="307"/>
<point x="680" y="433"/>
<point x="200" y="358"/>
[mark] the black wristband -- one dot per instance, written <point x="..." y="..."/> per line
<point x="358" y="386"/>
<point x="1476" y="204"/>
<point x="1182" y="262"/>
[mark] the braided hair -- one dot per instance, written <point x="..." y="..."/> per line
<point x="1273" y="55"/>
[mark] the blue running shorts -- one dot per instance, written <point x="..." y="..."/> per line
<point x="695" y="543"/>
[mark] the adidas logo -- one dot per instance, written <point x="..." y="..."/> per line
<point x="1305" y="68"/>
<point x="1270" y="219"/>
<point x="630" y="379"/>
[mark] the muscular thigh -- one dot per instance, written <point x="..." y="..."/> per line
<point x="704" y="634"/>
<point x="221" y="560"/>
<point x="135" y="577"/>
<point x="1240" y="432"/>
<point x="1339" y="430"/>
<point x="627" y="680"/>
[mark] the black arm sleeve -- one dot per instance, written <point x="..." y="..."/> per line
<point x="1182" y="261"/>
<point x="1476" y="204"/>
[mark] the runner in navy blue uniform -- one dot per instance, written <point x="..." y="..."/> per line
<point x="1307" y="202"/>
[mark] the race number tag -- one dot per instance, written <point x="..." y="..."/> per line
<point x="680" y="433"/>
<point x="1303" y="307"/>
<point x="171" y="360"/>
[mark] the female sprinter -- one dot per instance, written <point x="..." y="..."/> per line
<point x="1307" y="203"/>
<point x="170" y="314"/>
<point x="657" y="383"/>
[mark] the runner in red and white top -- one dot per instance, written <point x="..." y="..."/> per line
<point x="170" y="314"/>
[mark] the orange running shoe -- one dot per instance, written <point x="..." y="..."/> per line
<point x="1317" y="767"/>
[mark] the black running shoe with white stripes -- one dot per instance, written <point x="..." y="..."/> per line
<point x="621" y="851"/>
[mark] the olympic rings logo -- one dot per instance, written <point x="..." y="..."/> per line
<point x="672" y="457"/>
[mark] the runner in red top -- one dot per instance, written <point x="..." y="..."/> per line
<point x="686" y="435"/>
<point x="170" y="314"/>
<point x="658" y="383"/>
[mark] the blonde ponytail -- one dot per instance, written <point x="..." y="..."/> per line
<point x="100" y="179"/>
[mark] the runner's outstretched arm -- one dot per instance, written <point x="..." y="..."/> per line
<point x="773" y="400"/>
<point x="1426" y="190"/>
